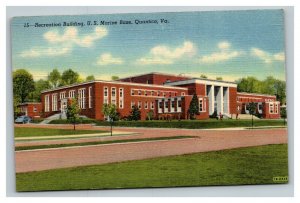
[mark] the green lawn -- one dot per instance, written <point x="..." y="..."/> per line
<point x="253" y="165"/>
<point x="100" y="142"/>
<point x="30" y="132"/>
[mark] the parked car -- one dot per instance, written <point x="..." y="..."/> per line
<point x="23" y="119"/>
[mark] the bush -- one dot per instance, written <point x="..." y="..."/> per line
<point x="37" y="120"/>
<point x="78" y="121"/>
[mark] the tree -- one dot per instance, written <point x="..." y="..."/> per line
<point x="194" y="107"/>
<point x="39" y="85"/>
<point x="90" y="78"/>
<point x="219" y="78"/>
<point x="252" y="109"/>
<point x="114" y="77"/>
<point x="54" y="78"/>
<point x="73" y="111"/>
<point x="135" y="114"/>
<point x="150" y="115"/>
<point x="203" y="76"/>
<point x="283" y="114"/>
<point x="69" y="77"/>
<point x="249" y="84"/>
<point x="23" y="84"/>
<point x="110" y="111"/>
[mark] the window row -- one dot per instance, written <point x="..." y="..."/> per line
<point x="139" y="104"/>
<point x="154" y="93"/>
<point x="62" y="95"/>
<point x="273" y="108"/>
<point x="113" y="98"/>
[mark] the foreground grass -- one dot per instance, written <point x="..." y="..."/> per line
<point x="99" y="142"/>
<point x="31" y="132"/>
<point x="253" y="165"/>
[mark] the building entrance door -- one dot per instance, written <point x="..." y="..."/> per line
<point x="63" y="107"/>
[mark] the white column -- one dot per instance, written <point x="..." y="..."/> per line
<point x="220" y="100"/>
<point x="211" y="97"/>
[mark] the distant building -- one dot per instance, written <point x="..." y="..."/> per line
<point x="31" y="109"/>
<point x="168" y="96"/>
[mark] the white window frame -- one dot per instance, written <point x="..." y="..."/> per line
<point x="105" y="98"/>
<point x="62" y="95"/>
<point x="71" y="93"/>
<point x="132" y="104"/>
<point x="276" y="108"/>
<point x="139" y="105"/>
<point x="113" y="99"/>
<point x="202" y="102"/>
<point x="121" y="98"/>
<point x="90" y="97"/>
<point x="34" y="109"/>
<point x="54" y="102"/>
<point x="182" y="93"/>
<point x="145" y="105"/>
<point x="81" y="98"/>
<point x="271" y="107"/>
<point x="47" y="103"/>
<point x="152" y="105"/>
<point x="132" y="92"/>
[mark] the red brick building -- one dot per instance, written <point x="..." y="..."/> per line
<point x="31" y="109"/>
<point x="168" y="96"/>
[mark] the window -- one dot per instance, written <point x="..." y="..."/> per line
<point x="166" y="104"/>
<point x="179" y="103"/>
<point x="90" y="97"/>
<point x="170" y="94"/>
<point x="139" y="104"/>
<point x="132" y="92"/>
<point x="47" y="103"/>
<point x="158" y="93"/>
<point x="260" y="107"/>
<point x="201" y="105"/>
<point x="173" y="104"/>
<point x="145" y="93"/>
<point x="71" y="93"/>
<point x="139" y="92"/>
<point x="146" y="105"/>
<point x="161" y="105"/>
<point x="54" y="102"/>
<point x="276" y="108"/>
<point x="121" y="98"/>
<point x="81" y="98"/>
<point x="34" y="109"/>
<point x="62" y="95"/>
<point x="132" y="104"/>
<point x="152" y="93"/>
<point x="175" y="94"/>
<point x="182" y="93"/>
<point x="271" y="108"/>
<point x="113" y="96"/>
<point x="152" y="105"/>
<point x="164" y="94"/>
<point x="105" y="95"/>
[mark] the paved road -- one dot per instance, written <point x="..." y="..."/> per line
<point x="207" y="140"/>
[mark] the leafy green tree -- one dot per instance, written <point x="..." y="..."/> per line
<point x="54" y="78"/>
<point x="203" y="76"/>
<point x="219" y="78"/>
<point x="110" y="111"/>
<point x="73" y="111"/>
<point x="39" y="85"/>
<point x="150" y="115"/>
<point x="23" y="84"/>
<point x="252" y="109"/>
<point x="249" y="84"/>
<point x="283" y="114"/>
<point x="90" y="78"/>
<point x="114" y="77"/>
<point x="135" y="114"/>
<point x="268" y="85"/>
<point x="69" y="77"/>
<point x="194" y="107"/>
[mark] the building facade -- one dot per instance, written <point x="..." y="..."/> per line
<point x="168" y="96"/>
<point x="31" y="109"/>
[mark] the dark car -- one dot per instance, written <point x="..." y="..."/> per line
<point x="23" y="119"/>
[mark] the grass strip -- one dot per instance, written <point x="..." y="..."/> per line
<point x="20" y="148"/>
<point x="250" y="165"/>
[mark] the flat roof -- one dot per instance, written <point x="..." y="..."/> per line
<point x="256" y="94"/>
<point x="113" y="82"/>
<point x="203" y="81"/>
<point x="154" y="73"/>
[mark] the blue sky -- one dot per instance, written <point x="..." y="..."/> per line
<point x="230" y="44"/>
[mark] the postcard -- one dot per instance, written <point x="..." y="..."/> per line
<point x="147" y="100"/>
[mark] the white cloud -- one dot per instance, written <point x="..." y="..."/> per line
<point x="42" y="51"/>
<point x="162" y="54"/>
<point x="107" y="59"/>
<point x="62" y="44"/>
<point x="224" y="45"/>
<point x="266" y="56"/>
<point x="224" y="54"/>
